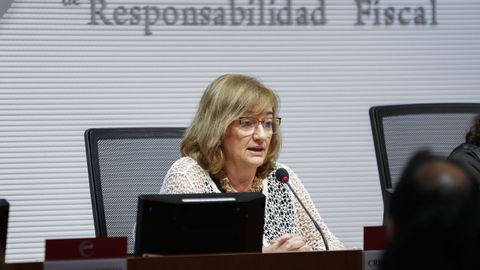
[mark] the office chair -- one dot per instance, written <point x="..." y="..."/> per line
<point x="4" y="207"/>
<point x="122" y="164"/>
<point x="401" y="130"/>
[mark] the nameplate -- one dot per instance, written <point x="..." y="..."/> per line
<point x="372" y="259"/>
<point x="103" y="253"/>
<point x="374" y="245"/>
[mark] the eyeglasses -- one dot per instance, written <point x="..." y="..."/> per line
<point x="249" y="124"/>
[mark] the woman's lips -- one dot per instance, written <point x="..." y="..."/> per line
<point x="256" y="150"/>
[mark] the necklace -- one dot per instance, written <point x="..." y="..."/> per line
<point x="227" y="186"/>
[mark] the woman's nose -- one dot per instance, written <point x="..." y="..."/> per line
<point x="260" y="132"/>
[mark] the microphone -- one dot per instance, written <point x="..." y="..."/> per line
<point x="282" y="176"/>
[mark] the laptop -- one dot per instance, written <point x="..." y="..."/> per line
<point x="199" y="223"/>
<point x="3" y="229"/>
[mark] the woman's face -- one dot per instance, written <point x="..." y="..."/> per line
<point x="245" y="147"/>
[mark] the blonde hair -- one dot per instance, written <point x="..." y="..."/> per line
<point x="227" y="98"/>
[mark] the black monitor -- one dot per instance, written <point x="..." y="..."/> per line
<point x="3" y="229"/>
<point x="199" y="223"/>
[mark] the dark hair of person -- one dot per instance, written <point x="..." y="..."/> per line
<point x="473" y="135"/>
<point x="435" y="210"/>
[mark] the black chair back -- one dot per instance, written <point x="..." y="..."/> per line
<point x="4" y="207"/>
<point x="401" y="130"/>
<point x="122" y="164"/>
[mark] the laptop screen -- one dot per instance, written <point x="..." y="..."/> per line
<point x="3" y="229"/>
<point x="199" y="223"/>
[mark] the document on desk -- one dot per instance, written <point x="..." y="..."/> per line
<point x="103" y="253"/>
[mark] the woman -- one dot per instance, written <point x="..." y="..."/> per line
<point x="232" y="146"/>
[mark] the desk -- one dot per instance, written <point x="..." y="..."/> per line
<point x="331" y="260"/>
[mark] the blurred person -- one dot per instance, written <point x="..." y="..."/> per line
<point x="232" y="145"/>
<point x="468" y="153"/>
<point x="434" y="218"/>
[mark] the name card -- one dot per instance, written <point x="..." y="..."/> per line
<point x="374" y="245"/>
<point x="103" y="253"/>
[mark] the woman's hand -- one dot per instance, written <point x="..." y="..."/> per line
<point x="288" y="243"/>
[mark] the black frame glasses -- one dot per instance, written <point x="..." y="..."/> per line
<point x="250" y="124"/>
